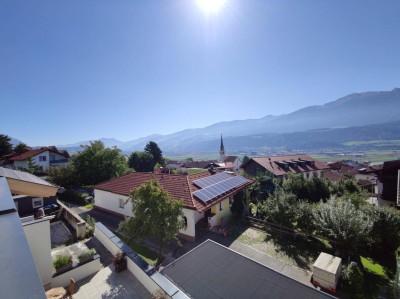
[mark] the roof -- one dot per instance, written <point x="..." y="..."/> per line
<point x="213" y="271"/>
<point x="31" y="153"/>
<point x="230" y="159"/>
<point x="295" y="164"/>
<point x="331" y="175"/>
<point x="23" y="176"/>
<point x="198" y="164"/>
<point x="180" y="187"/>
<point x="21" y="280"/>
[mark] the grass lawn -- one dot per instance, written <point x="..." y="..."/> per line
<point x="373" y="267"/>
<point x="298" y="252"/>
<point x="145" y="253"/>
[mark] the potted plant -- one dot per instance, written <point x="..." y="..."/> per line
<point x="86" y="256"/>
<point x="62" y="263"/>
<point x="120" y="262"/>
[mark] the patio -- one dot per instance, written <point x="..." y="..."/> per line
<point x="108" y="284"/>
<point x="74" y="250"/>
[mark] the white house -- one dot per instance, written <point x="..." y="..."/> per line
<point x="206" y="196"/>
<point x="44" y="157"/>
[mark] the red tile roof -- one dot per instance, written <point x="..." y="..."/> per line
<point x="30" y="153"/>
<point x="180" y="187"/>
<point x="296" y="164"/>
<point x="331" y="175"/>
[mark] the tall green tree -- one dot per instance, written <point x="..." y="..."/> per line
<point x="32" y="167"/>
<point x="153" y="149"/>
<point x="263" y="187"/>
<point x="279" y="208"/>
<point x="341" y="221"/>
<point x="63" y="176"/>
<point x="97" y="163"/>
<point x="21" y="148"/>
<point x="157" y="215"/>
<point x="141" y="161"/>
<point x="5" y="145"/>
<point x="245" y="160"/>
<point x="311" y="190"/>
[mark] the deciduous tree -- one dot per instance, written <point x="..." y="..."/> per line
<point x="141" y="161"/>
<point x="157" y="215"/>
<point x="97" y="163"/>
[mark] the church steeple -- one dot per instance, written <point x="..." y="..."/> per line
<point x="222" y="151"/>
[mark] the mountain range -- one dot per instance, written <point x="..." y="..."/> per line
<point x="358" y="116"/>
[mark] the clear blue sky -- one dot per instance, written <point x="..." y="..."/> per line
<point x="78" y="70"/>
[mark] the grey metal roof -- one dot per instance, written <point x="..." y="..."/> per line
<point x="18" y="276"/>
<point x="214" y="271"/>
<point x="23" y="176"/>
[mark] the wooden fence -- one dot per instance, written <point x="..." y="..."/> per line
<point x="265" y="225"/>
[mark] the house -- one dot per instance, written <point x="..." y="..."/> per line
<point x="211" y="270"/>
<point x="388" y="180"/>
<point x="281" y="166"/>
<point x="43" y="157"/>
<point x="32" y="192"/>
<point x="206" y="196"/>
<point x="229" y="163"/>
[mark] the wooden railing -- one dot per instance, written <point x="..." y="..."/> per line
<point x="265" y="225"/>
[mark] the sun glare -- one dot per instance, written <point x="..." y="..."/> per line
<point x="211" y="6"/>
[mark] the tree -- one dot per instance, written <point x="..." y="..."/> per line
<point x="97" y="164"/>
<point x="32" y="167"/>
<point x="305" y="217"/>
<point x="63" y="176"/>
<point x="385" y="228"/>
<point x="189" y="159"/>
<point x="5" y="145"/>
<point x="245" y="160"/>
<point x="238" y="205"/>
<point x="157" y="215"/>
<point x="264" y="186"/>
<point x="341" y="221"/>
<point x="21" y="148"/>
<point x="279" y="208"/>
<point x="311" y="190"/>
<point x="141" y="161"/>
<point x="153" y="149"/>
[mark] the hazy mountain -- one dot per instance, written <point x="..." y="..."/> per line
<point x="108" y="142"/>
<point x="358" y="109"/>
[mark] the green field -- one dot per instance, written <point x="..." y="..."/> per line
<point x="371" y="156"/>
<point x="377" y="143"/>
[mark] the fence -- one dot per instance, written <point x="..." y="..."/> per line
<point x="263" y="224"/>
<point x="78" y="224"/>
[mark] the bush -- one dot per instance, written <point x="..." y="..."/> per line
<point x="61" y="260"/>
<point x="73" y="197"/>
<point x="279" y="208"/>
<point x="87" y="253"/>
<point x="353" y="279"/>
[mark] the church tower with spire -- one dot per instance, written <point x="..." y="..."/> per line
<point x="222" y="156"/>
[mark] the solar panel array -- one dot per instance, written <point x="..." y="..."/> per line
<point x="212" y="179"/>
<point x="218" y="186"/>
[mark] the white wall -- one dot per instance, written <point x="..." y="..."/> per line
<point x="77" y="273"/>
<point x="147" y="282"/>
<point x="38" y="236"/>
<point x="191" y="223"/>
<point x="110" y="201"/>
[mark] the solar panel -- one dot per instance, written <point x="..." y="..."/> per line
<point x="212" y="191"/>
<point x="210" y="180"/>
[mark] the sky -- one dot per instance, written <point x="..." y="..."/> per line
<point x="82" y="70"/>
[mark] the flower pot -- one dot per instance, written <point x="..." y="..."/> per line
<point x="64" y="268"/>
<point x="121" y="265"/>
<point x="85" y="259"/>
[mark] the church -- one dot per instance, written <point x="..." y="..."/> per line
<point x="228" y="163"/>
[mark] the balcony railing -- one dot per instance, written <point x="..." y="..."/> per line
<point x="60" y="161"/>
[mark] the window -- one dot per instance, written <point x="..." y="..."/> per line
<point x="185" y="219"/>
<point x="220" y="205"/>
<point x="42" y="158"/>
<point x="37" y="202"/>
<point x="121" y="203"/>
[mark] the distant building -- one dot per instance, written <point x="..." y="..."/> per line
<point x="281" y="166"/>
<point x="229" y="163"/>
<point x="43" y="157"/>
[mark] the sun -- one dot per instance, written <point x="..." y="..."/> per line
<point x="211" y="6"/>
